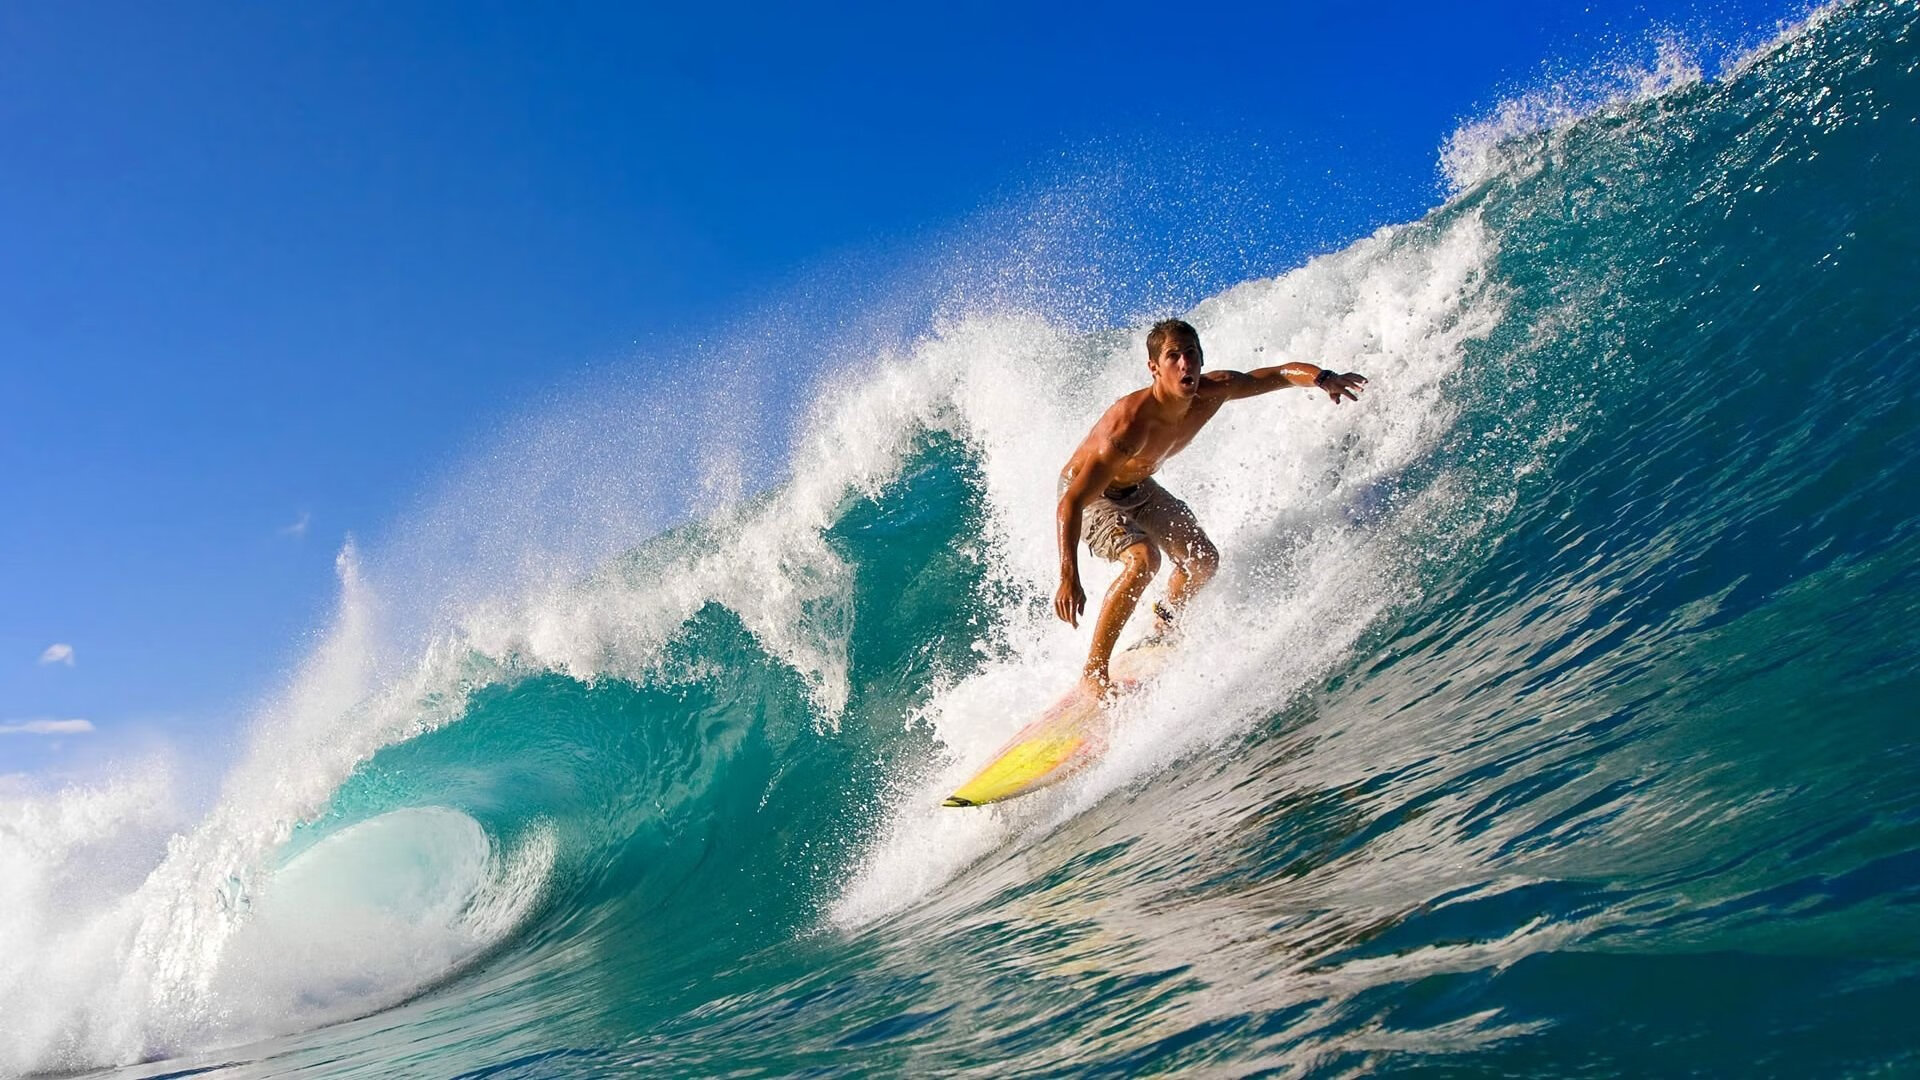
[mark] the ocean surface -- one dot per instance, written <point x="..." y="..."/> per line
<point x="1555" y="712"/>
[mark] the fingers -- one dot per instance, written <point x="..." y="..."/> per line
<point x="1347" y="385"/>
<point x="1069" y="606"/>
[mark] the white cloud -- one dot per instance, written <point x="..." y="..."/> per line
<point x="58" y="653"/>
<point x="46" y="727"/>
<point x="299" y="527"/>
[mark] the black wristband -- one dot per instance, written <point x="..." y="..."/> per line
<point x="1320" y="380"/>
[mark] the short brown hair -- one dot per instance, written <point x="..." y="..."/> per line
<point x="1167" y="328"/>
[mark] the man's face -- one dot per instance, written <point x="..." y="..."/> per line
<point x="1177" y="368"/>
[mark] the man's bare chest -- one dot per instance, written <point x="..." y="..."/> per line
<point x="1158" y="442"/>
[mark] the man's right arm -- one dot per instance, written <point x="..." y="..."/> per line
<point x="1091" y="467"/>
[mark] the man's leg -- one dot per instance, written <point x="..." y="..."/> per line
<point x="1172" y="526"/>
<point x="1138" y="563"/>
<point x="1195" y="561"/>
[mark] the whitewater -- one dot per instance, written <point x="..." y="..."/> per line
<point x="1553" y="711"/>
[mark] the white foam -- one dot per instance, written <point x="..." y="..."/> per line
<point x="1520" y="134"/>
<point x="68" y="859"/>
<point x="1505" y="139"/>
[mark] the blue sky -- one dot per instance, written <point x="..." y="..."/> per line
<point x="269" y="270"/>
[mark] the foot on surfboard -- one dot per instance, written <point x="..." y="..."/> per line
<point x="1165" y="631"/>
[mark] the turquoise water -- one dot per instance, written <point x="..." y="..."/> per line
<point x="1554" y="713"/>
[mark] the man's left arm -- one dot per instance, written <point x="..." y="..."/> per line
<point x="1244" y="384"/>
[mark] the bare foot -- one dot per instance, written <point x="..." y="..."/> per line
<point x="1164" y="630"/>
<point x="1097" y="685"/>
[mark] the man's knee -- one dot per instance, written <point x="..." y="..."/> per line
<point x="1196" y="556"/>
<point x="1203" y="557"/>
<point x="1142" y="560"/>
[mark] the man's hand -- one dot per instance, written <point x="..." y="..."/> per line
<point x="1070" y="601"/>
<point x="1336" y="384"/>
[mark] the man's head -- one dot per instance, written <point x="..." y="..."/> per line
<point x="1174" y="357"/>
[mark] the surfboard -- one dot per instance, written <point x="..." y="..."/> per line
<point x="1066" y="738"/>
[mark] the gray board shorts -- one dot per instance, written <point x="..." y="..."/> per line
<point x="1119" y="518"/>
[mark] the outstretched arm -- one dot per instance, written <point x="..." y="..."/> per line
<point x="1243" y="384"/>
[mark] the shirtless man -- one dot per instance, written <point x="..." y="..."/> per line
<point x="1109" y="497"/>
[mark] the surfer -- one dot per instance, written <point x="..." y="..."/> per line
<point x="1108" y="495"/>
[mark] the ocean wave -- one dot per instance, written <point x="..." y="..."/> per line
<point x="1566" y="669"/>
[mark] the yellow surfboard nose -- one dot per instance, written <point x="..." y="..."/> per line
<point x="1032" y="762"/>
<point x="1065" y="739"/>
